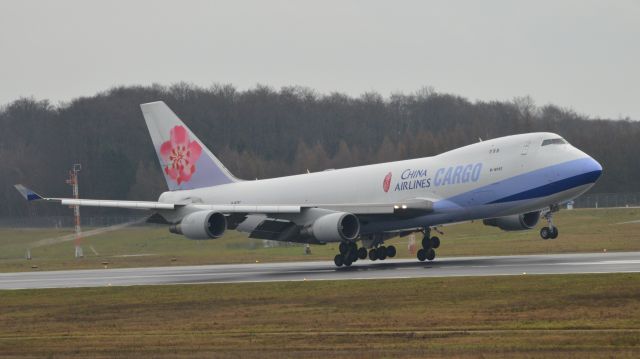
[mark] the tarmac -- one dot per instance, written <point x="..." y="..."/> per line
<point x="612" y="262"/>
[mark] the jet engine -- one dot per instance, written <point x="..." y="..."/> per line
<point x="516" y="222"/>
<point x="201" y="225"/>
<point x="335" y="227"/>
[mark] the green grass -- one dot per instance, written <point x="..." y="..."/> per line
<point x="580" y="231"/>
<point x="570" y="316"/>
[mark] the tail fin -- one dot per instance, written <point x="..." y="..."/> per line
<point x="185" y="161"/>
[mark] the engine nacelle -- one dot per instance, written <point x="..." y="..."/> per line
<point x="516" y="222"/>
<point x="335" y="227"/>
<point x="201" y="225"/>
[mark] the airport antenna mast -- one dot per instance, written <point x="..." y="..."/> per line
<point x="73" y="182"/>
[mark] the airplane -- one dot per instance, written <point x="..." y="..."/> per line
<point x="508" y="182"/>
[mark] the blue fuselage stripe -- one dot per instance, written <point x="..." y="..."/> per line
<point x="538" y="183"/>
<point x="552" y="188"/>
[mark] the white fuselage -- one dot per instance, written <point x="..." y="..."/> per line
<point x="493" y="178"/>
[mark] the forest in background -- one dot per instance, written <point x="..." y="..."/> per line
<point x="264" y="132"/>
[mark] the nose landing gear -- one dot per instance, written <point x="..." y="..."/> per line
<point x="550" y="232"/>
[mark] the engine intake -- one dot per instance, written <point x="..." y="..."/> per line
<point x="335" y="227"/>
<point x="516" y="222"/>
<point x="201" y="225"/>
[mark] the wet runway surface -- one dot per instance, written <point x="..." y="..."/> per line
<point x="623" y="262"/>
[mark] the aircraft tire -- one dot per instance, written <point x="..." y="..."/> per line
<point x="431" y="254"/>
<point x="343" y="247"/>
<point x="347" y="263"/>
<point x="391" y="251"/>
<point x="554" y="232"/>
<point x="422" y="255"/>
<point x="545" y="233"/>
<point x="426" y="242"/>
<point x="381" y="253"/>
<point x="435" y="242"/>
<point x="362" y="253"/>
<point x="353" y="256"/>
<point x="372" y="255"/>
<point x="338" y="260"/>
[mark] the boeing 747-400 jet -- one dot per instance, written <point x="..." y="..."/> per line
<point x="509" y="182"/>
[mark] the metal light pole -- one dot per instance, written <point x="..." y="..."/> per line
<point x="73" y="181"/>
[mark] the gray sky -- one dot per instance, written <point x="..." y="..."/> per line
<point x="580" y="54"/>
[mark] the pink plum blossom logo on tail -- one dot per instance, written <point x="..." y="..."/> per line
<point x="387" y="182"/>
<point x="180" y="155"/>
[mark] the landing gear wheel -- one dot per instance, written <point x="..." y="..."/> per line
<point x="362" y="253"/>
<point x="431" y="254"/>
<point x="433" y="242"/>
<point x="372" y="255"/>
<point x="426" y="242"/>
<point x="390" y="251"/>
<point x="347" y="263"/>
<point x="353" y="256"/>
<point x="381" y="253"/>
<point x="422" y="255"/>
<point x="545" y="233"/>
<point x="343" y="248"/>
<point x="550" y="232"/>
<point x="338" y="260"/>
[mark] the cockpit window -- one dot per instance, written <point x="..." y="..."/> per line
<point x="554" y="141"/>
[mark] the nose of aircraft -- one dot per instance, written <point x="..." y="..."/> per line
<point x="593" y="169"/>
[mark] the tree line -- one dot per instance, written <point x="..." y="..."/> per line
<point x="264" y="132"/>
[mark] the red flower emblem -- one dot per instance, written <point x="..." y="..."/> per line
<point x="180" y="155"/>
<point x="387" y="182"/>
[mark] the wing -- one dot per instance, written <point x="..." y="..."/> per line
<point x="413" y="206"/>
<point x="275" y="222"/>
<point x="287" y="227"/>
<point x="30" y="195"/>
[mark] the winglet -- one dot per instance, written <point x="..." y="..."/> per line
<point x="28" y="194"/>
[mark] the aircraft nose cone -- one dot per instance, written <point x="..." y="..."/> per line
<point x="593" y="168"/>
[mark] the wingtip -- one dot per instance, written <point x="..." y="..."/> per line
<point x="28" y="194"/>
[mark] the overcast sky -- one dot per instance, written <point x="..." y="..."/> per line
<point x="583" y="55"/>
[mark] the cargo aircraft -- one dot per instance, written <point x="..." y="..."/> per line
<point x="508" y="182"/>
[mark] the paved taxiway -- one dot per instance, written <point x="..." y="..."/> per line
<point x="622" y="262"/>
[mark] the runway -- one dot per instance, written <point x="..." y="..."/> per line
<point x="622" y="262"/>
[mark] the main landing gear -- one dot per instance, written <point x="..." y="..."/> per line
<point x="350" y="253"/>
<point x="382" y="253"/>
<point x="429" y="244"/>
<point x="550" y="232"/>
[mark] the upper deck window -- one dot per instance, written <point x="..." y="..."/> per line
<point x="554" y="141"/>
